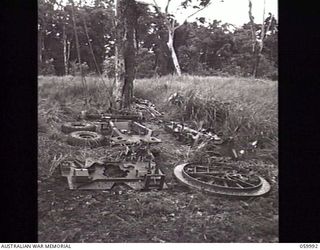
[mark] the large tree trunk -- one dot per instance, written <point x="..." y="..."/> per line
<point x="173" y="52"/>
<point x="170" y="24"/>
<point x="77" y="43"/>
<point x="65" y="57"/>
<point x="68" y="52"/>
<point x="125" y="52"/>
<point x="119" y="60"/>
<point x="254" y="41"/>
<point x="256" y="65"/>
<point x="129" y="53"/>
<point x="257" y="45"/>
<point x="40" y="48"/>
<point x="258" y="54"/>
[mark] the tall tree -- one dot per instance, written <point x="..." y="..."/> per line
<point x="258" y="40"/>
<point x="172" y="25"/>
<point x="45" y="29"/>
<point x="151" y="37"/>
<point x="77" y="43"/>
<point x="125" y="20"/>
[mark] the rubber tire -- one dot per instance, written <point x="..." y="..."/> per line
<point x="71" y="127"/>
<point x="77" y="139"/>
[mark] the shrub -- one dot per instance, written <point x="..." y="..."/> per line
<point x="46" y="68"/>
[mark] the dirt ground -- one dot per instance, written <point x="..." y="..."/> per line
<point x="177" y="214"/>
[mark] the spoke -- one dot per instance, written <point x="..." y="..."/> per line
<point x="228" y="177"/>
<point x="242" y="182"/>
<point x="238" y="185"/>
<point x="222" y="182"/>
<point x="228" y="180"/>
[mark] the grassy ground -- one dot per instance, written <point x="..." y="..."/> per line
<point x="177" y="214"/>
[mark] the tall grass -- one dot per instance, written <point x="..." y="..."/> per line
<point x="250" y="106"/>
<point x="243" y="108"/>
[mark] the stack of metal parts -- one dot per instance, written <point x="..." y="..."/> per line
<point x="134" y="165"/>
<point x="136" y="169"/>
<point x="147" y="108"/>
<point x="107" y="132"/>
<point x="129" y="132"/>
<point x="189" y="135"/>
<point x="140" y="110"/>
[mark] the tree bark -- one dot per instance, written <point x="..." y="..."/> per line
<point x="65" y="57"/>
<point x="258" y="45"/>
<point x="119" y="60"/>
<point x="170" y="24"/>
<point x="173" y="52"/>
<point x="40" y="48"/>
<point x="77" y="43"/>
<point x="258" y="57"/>
<point x="68" y="52"/>
<point x="256" y="65"/>
<point x="129" y="53"/>
<point x="125" y="52"/>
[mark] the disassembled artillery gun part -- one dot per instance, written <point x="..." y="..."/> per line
<point x="104" y="175"/>
<point x="69" y="127"/>
<point x="147" y="108"/>
<point x="119" y="132"/>
<point x="229" y="183"/>
<point x="103" y="117"/>
<point x="140" y="111"/>
<point x="129" y="132"/>
<point x="85" y="138"/>
<point x="190" y="135"/>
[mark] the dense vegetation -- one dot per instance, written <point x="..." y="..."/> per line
<point x="203" y="48"/>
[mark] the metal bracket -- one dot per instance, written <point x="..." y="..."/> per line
<point x="129" y="132"/>
<point x="103" y="175"/>
<point x="154" y="181"/>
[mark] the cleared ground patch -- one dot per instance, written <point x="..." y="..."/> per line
<point x="177" y="214"/>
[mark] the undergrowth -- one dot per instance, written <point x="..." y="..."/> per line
<point x="242" y="108"/>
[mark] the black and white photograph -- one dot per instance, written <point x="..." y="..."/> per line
<point x="157" y="121"/>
